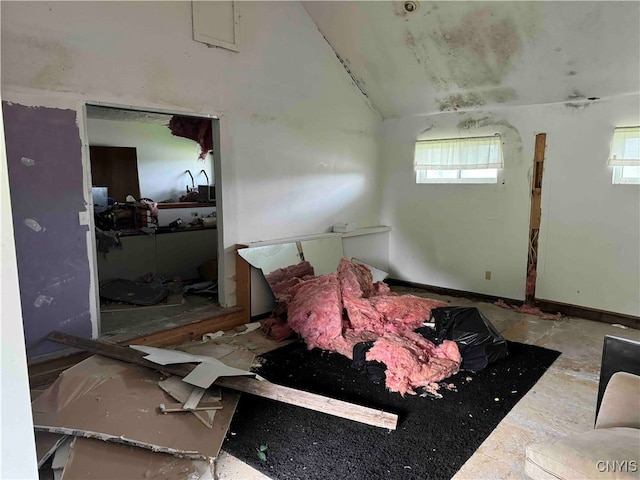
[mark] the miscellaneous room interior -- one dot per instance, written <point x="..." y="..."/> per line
<point x="210" y="178"/>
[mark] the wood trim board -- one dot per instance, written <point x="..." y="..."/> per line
<point x="544" y="305"/>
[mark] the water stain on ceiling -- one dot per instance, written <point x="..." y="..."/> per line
<point x="446" y="56"/>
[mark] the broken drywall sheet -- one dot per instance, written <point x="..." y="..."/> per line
<point x="179" y="408"/>
<point x="98" y="460"/>
<point x="203" y="376"/>
<point x="181" y="392"/>
<point x="61" y="457"/>
<point x="46" y="445"/>
<point x="163" y="356"/>
<point x="248" y="327"/>
<point x="117" y="401"/>
<point x="194" y="398"/>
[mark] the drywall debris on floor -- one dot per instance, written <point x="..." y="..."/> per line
<point x="182" y="391"/>
<point x="123" y="423"/>
<point x="251" y="336"/>
<point x="113" y="400"/>
<point x="112" y="411"/>
<point x="95" y="459"/>
<point x="46" y="445"/>
<point x="61" y="457"/>
<point x="203" y="376"/>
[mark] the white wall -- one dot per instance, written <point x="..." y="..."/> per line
<point x="163" y="159"/>
<point x="450" y="235"/>
<point x="299" y="148"/>
<point x="17" y="442"/>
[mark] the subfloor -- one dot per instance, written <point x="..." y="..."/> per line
<point x="561" y="403"/>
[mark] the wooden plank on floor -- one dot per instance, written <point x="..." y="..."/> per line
<point x="331" y="406"/>
<point x="261" y="388"/>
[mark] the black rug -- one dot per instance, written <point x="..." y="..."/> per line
<point x="434" y="438"/>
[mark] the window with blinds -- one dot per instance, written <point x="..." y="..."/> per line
<point x="458" y="160"/>
<point x="624" y="155"/>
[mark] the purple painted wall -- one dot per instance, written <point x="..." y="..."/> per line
<point x="45" y="178"/>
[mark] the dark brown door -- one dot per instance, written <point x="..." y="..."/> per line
<point x="117" y="169"/>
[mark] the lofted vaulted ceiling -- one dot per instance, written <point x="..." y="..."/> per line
<point x="463" y="55"/>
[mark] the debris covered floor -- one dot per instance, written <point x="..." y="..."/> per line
<point x="561" y="403"/>
<point x="545" y="411"/>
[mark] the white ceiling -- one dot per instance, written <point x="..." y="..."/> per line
<point x="463" y="55"/>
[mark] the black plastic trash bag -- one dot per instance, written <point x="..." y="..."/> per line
<point x="479" y="342"/>
<point x="374" y="370"/>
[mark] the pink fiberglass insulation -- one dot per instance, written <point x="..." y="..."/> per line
<point x="382" y="288"/>
<point x="413" y="361"/>
<point x="315" y="311"/>
<point x="363" y="317"/>
<point x="528" y="310"/>
<point x="298" y="270"/>
<point x="281" y="289"/>
<point x="355" y="279"/>
<point x="405" y="311"/>
<point x="276" y="328"/>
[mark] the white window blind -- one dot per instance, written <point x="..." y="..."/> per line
<point x="459" y="154"/>
<point x="625" y="147"/>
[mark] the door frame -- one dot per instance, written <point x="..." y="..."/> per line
<point x="86" y="217"/>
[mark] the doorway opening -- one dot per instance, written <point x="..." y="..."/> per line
<point x="153" y="185"/>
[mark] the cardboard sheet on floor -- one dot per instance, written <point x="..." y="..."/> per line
<point x="118" y="401"/>
<point x="203" y="376"/>
<point x="98" y="460"/>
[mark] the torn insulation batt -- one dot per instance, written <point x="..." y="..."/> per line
<point x="337" y="311"/>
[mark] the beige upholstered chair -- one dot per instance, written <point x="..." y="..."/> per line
<point x="611" y="450"/>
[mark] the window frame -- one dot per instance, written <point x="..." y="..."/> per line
<point x="618" y="165"/>
<point x="478" y="180"/>
<point x="489" y="180"/>
<point x="618" y="177"/>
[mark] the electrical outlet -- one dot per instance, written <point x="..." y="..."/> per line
<point x="487" y="275"/>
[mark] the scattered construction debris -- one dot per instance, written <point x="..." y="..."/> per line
<point x="131" y="413"/>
